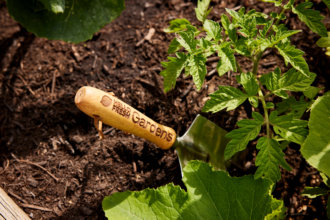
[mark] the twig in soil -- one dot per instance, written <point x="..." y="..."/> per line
<point x="94" y="62"/>
<point x="5" y="168"/>
<point x="30" y="206"/>
<point x="212" y="72"/>
<point x="37" y="165"/>
<point x="134" y="167"/>
<point x="26" y="85"/>
<point x="213" y="59"/>
<point x="187" y="91"/>
<point x="147" y="37"/>
<point x="16" y="196"/>
<point x="53" y="84"/>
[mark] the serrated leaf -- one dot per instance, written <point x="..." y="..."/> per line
<point x="172" y="70"/>
<point x="241" y="47"/>
<point x="174" y="46"/>
<point x="266" y="28"/>
<point x="292" y="80"/>
<point x="235" y="15"/>
<point x="324" y="41"/>
<point x="311" y="18"/>
<point x="327" y="3"/>
<point x="206" y="45"/>
<point x="227" y="59"/>
<point x="247" y="131"/>
<point x="249" y="83"/>
<point x="326" y="179"/>
<point x="281" y="34"/>
<point x="177" y="25"/>
<point x="202" y="9"/>
<point x="311" y="92"/>
<point x="293" y="56"/>
<point x="313" y="192"/>
<point x="269" y="158"/>
<point x="278" y="211"/>
<point x="292" y="106"/>
<point x="210" y="195"/>
<point x="254" y="101"/>
<point x="79" y="21"/>
<point x="226" y="97"/>
<point x="230" y="28"/>
<point x="197" y="64"/>
<point x="55" y="6"/>
<point x="288" y="127"/>
<point x="270" y="105"/>
<point x="187" y="40"/>
<point x="316" y="148"/>
<point x="213" y="29"/>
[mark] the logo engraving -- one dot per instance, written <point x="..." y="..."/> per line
<point x="106" y="101"/>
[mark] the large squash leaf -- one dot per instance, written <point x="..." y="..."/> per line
<point x="316" y="148"/>
<point x="210" y="195"/>
<point x="79" y="20"/>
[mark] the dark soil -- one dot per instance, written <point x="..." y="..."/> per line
<point x="52" y="162"/>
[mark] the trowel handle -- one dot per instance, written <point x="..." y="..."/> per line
<point x="116" y="113"/>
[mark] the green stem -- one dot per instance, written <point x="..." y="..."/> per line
<point x="261" y="95"/>
<point x="267" y="122"/>
<point x="256" y="60"/>
<point x="238" y="67"/>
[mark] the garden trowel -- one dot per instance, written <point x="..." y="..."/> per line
<point x="204" y="140"/>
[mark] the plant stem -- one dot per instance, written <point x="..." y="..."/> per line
<point x="263" y="102"/>
<point x="256" y="60"/>
<point x="238" y="67"/>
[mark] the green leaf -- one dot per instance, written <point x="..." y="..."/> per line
<point x="316" y="148"/>
<point x="324" y="41"/>
<point x="254" y="101"/>
<point x="288" y="127"/>
<point x="230" y="28"/>
<point x="292" y="80"/>
<point x="225" y="97"/>
<point x="187" y="40"/>
<point x="269" y="158"/>
<point x="55" y="6"/>
<point x="270" y="105"/>
<point x="282" y="33"/>
<point x="327" y="3"/>
<point x="237" y="17"/>
<point x="242" y="47"/>
<point x="311" y="92"/>
<point x="197" y="69"/>
<point x="247" y="131"/>
<point x="202" y="9"/>
<point x="227" y="59"/>
<point x="249" y="83"/>
<point x="172" y="70"/>
<point x="210" y="195"/>
<point x="293" y="56"/>
<point x="206" y="47"/>
<point x="79" y="21"/>
<point x="174" y="46"/>
<point x="177" y="25"/>
<point x="313" y="192"/>
<point x="213" y="29"/>
<point x="292" y="106"/>
<point x="325" y="179"/>
<point x="278" y="210"/>
<point x="311" y="18"/>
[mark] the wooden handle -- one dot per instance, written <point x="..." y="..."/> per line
<point x="116" y="113"/>
<point x="9" y="210"/>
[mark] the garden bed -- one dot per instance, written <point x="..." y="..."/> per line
<point x="52" y="162"/>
